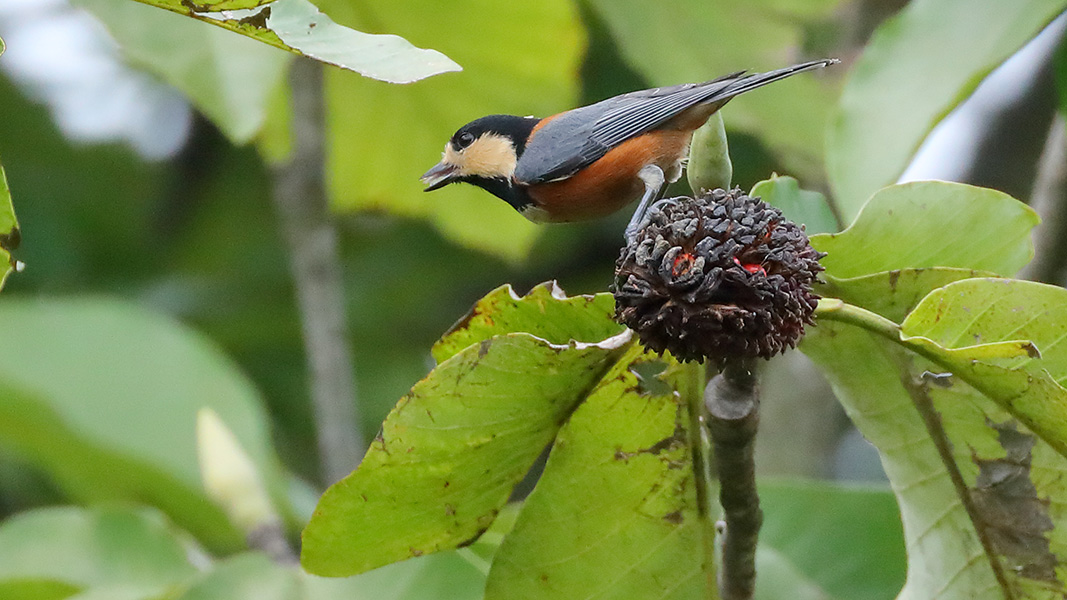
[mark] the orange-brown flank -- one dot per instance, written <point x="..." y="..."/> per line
<point x="611" y="182"/>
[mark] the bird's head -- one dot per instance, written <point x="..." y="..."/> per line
<point x="483" y="150"/>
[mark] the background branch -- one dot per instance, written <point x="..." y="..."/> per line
<point x="1049" y="199"/>
<point x="311" y="237"/>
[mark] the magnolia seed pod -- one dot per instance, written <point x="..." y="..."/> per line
<point x="715" y="277"/>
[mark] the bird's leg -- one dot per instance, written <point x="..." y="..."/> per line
<point x="652" y="177"/>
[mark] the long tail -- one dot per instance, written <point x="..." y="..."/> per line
<point x="751" y="82"/>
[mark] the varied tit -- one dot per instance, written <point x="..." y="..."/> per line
<point x="591" y="161"/>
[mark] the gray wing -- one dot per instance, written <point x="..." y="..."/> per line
<point x="577" y="138"/>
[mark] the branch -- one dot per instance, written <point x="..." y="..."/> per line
<point x="732" y="402"/>
<point x="311" y="237"/>
<point x="1049" y="199"/>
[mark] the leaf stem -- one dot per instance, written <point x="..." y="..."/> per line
<point x="315" y="262"/>
<point x="732" y="401"/>
<point x="834" y="309"/>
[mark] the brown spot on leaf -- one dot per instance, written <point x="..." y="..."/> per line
<point x="450" y="510"/>
<point x="1008" y="505"/>
<point x="677" y="439"/>
<point x="10" y="241"/>
<point x="473" y="538"/>
<point x="258" y="20"/>
<point x="465" y="321"/>
<point x="674" y="518"/>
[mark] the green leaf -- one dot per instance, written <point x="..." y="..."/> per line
<point x="545" y="312"/>
<point x="856" y="531"/>
<point x="451" y="451"/>
<point x="10" y="236"/>
<point x="932" y="224"/>
<point x="971" y="425"/>
<point x="299" y="27"/>
<point x="103" y="397"/>
<point x="433" y="577"/>
<point x="616" y="512"/>
<point x="684" y="41"/>
<point x="90" y="548"/>
<point x="381" y="138"/>
<point x="228" y="77"/>
<point x="800" y="206"/>
<point x="895" y="94"/>
<point x="247" y="577"/>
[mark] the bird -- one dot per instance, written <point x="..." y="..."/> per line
<point x="591" y="161"/>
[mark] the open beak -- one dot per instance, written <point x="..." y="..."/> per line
<point x="439" y="176"/>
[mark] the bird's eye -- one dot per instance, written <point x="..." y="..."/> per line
<point x="465" y="139"/>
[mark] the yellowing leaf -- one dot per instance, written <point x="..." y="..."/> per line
<point x="451" y="451"/>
